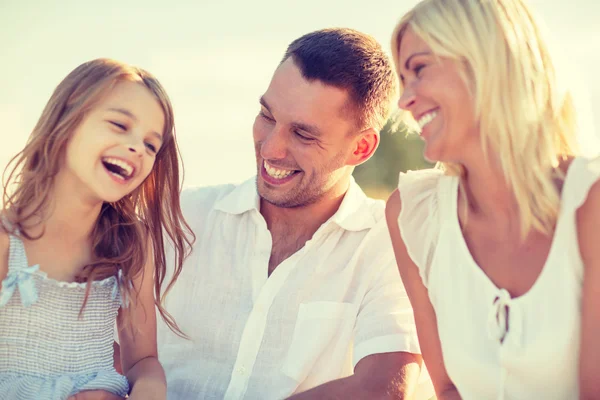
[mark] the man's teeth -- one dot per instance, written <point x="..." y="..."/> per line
<point x="277" y="173"/>
<point x="126" y="168"/>
<point x="427" y="118"/>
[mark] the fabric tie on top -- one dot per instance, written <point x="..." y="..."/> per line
<point x="498" y="320"/>
<point x="22" y="280"/>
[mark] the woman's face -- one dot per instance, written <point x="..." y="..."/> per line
<point x="439" y="100"/>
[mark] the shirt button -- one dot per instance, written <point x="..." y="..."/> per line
<point x="242" y="370"/>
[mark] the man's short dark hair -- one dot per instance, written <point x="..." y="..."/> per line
<point x="351" y="60"/>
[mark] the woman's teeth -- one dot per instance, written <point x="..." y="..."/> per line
<point x="276" y="173"/>
<point x="427" y="118"/>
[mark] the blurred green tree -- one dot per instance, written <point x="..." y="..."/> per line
<point x="399" y="151"/>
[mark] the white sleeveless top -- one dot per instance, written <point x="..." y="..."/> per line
<point x="495" y="347"/>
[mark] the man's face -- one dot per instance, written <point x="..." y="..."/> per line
<point x="302" y="138"/>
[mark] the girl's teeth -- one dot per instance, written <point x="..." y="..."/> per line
<point x="118" y="176"/>
<point x="128" y="169"/>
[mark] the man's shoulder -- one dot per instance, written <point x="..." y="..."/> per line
<point x="375" y="207"/>
<point x="201" y="200"/>
<point x="206" y="194"/>
<point x="376" y="239"/>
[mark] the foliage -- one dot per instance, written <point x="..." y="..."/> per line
<point x="399" y="151"/>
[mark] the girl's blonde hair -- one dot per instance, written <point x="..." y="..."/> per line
<point x="525" y="117"/>
<point x="124" y="228"/>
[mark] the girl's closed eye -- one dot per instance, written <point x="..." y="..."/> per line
<point x="118" y="125"/>
<point x="151" y="147"/>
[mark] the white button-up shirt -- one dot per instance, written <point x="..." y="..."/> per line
<point x="335" y="301"/>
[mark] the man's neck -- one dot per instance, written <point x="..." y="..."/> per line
<point x="304" y="219"/>
<point x="291" y="228"/>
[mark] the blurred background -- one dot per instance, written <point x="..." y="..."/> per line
<point x="216" y="58"/>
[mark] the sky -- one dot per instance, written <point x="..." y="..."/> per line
<point x="215" y="59"/>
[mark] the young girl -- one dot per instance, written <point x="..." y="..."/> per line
<point x="86" y="208"/>
<point x="498" y="249"/>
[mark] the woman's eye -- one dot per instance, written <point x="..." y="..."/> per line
<point x="417" y="69"/>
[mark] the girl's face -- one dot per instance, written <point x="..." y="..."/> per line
<point x="113" y="149"/>
<point x="439" y="100"/>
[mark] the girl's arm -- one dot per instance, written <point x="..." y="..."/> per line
<point x="4" y="245"/>
<point x="137" y="338"/>
<point x="588" y="223"/>
<point x="423" y="310"/>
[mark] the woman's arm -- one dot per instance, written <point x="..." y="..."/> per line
<point x="588" y="224"/>
<point x="423" y="310"/>
<point x="137" y="338"/>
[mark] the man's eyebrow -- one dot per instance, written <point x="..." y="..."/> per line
<point x="133" y="117"/>
<point x="313" y="130"/>
<point x="263" y="103"/>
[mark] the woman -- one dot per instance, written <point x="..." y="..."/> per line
<point x="496" y="248"/>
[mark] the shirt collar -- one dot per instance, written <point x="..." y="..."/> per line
<point x="241" y="199"/>
<point x="356" y="212"/>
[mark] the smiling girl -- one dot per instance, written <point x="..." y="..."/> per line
<point x="497" y="249"/>
<point x="86" y="208"/>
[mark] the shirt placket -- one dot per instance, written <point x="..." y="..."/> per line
<point x="264" y="292"/>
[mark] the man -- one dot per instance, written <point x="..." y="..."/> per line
<point x="292" y="287"/>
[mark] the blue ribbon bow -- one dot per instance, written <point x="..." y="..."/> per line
<point x="20" y="278"/>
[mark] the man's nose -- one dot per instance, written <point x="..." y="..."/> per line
<point x="274" y="146"/>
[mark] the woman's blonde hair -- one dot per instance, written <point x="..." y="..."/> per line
<point x="124" y="228"/>
<point x="526" y="118"/>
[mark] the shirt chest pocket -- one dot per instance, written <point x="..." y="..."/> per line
<point x="323" y="329"/>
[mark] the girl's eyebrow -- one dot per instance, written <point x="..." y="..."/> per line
<point x="124" y="112"/>
<point x="132" y="116"/>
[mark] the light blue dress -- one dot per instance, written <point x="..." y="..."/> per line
<point x="47" y="351"/>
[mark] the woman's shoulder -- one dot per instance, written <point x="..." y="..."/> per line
<point x="414" y="207"/>
<point x="581" y="182"/>
<point x="417" y="193"/>
<point x="422" y="179"/>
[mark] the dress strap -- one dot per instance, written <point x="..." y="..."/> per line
<point x="17" y="259"/>
<point x="19" y="276"/>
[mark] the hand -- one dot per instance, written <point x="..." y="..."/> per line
<point x="95" y="395"/>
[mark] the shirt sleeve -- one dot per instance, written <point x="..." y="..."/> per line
<point x="385" y="321"/>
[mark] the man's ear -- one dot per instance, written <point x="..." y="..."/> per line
<point x="363" y="146"/>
